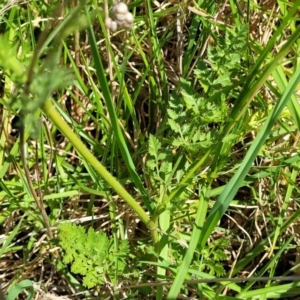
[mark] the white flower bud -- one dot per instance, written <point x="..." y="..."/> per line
<point x="120" y="8"/>
<point x="120" y="23"/>
<point x="126" y="25"/>
<point x="120" y="17"/>
<point x="108" y="22"/>
<point x="114" y="26"/>
<point x="129" y="18"/>
<point x="111" y="25"/>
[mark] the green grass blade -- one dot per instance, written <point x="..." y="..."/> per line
<point x="250" y="88"/>
<point x="182" y="185"/>
<point x="271" y="263"/>
<point x="55" y="117"/>
<point x="293" y="104"/>
<point x="274" y="292"/>
<point x="197" y="230"/>
<point x="114" y="119"/>
<point x="232" y="187"/>
<point x="10" y="238"/>
<point x="19" y="288"/>
<point x="261" y="246"/>
<point x="285" y="205"/>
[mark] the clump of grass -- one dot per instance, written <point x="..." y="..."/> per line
<point x="177" y="138"/>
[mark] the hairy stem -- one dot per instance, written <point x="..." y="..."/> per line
<point x="55" y="117"/>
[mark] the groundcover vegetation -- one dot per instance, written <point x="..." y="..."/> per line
<point x="149" y="149"/>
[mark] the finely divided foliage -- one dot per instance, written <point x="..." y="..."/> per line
<point x="169" y="130"/>
<point x="91" y="254"/>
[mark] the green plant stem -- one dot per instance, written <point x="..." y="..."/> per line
<point x="57" y="120"/>
<point x="39" y="202"/>
<point x="197" y="229"/>
<point x="107" y="97"/>
<point x="182" y="185"/>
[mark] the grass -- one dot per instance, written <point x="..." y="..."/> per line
<point x="178" y="139"/>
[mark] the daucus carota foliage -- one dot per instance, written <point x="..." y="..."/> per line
<point x="91" y="254"/>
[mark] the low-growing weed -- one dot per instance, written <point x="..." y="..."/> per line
<point x="91" y="254"/>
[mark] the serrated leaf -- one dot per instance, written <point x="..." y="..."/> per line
<point x="175" y="101"/>
<point x="186" y="128"/>
<point x="166" y="168"/>
<point x="124" y="248"/>
<point x="151" y="164"/>
<point x="219" y="255"/>
<point x="178" y="142"/>
<point x="234" y="59"/>
<point x="80" y="265"/>
<point x="217" y="270"/>
<point x="87" y="252"/>
<point x="223" y="80"/>
<point x="174" y="126"/>
<point x="90" y="280"/>
<point x="172" y="114"/>
<point x="154" y="145"/>
<point x="161" y="156"/>
<point x="189" y="100"/>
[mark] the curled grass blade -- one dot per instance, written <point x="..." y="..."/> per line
<point x="19" y="288"/>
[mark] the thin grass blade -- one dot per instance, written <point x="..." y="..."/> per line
<point x="232" y="187"/>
